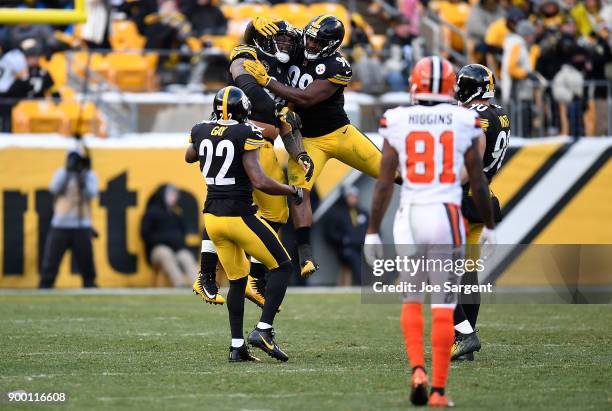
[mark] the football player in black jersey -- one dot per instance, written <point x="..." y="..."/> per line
<point x="317" y="83"/>
<point x="475" y="89"/>
<point x="227" y="149"/>
<point x="273" y="51"/>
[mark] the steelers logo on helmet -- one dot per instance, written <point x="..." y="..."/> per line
<point x="474" y="81"/>
<point x="322" y="36"/>
<point x="320" y="69"/>
<point x="231" y="103"/>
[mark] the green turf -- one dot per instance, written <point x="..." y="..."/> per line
<point x="169" y="352"/>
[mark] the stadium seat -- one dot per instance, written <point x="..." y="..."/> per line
<point x="223" y="43"/>
<point x="248" y="11"/>
<point x="97" y="64"/>
<point x="130" y="72"/>
<point x="36" y="116"/>
<point x="66" y="92"/>
<point x="57" y="67"/>
<point x="71" y="111"/>
<point x="124" y="35"/>
<point x="296" y="14"/>
<point x="337" y="10"/>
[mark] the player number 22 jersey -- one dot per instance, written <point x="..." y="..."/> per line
<point x="431" y="142"/>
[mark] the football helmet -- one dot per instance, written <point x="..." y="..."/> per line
<point x="231" y="103"/>
<point x="282" y="45"/>
<point x="322" y="36"/>
<point x="475" y="81"/>
<point x="433" y="79"/>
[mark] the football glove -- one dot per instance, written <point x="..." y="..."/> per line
<point x="257" y="70"/>
<point x="373" y="249"/>
<point x="290" y="118"/>
<point x="298" y="195"/>
<point x="487" y="236"/>
<point x="305" y="161"/>
<point x="265" y="27"/>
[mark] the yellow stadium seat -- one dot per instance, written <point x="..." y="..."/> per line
<point x="223" y="43"/>
<point x="124" y="35"/>
<point x="296" y="14"/>
<point x="57" y="68"/>
<point x="335" y="9"/>
<point x="97" y="63"/>
<point x="66" y="92"/>
<point x="130" y="72"/>
<point x="90" y="121"/>
<point x="36" y="116"/>
<point x="249" y="11"/>
<point x="228" y="11"/>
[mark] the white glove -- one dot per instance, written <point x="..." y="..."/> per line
<point x="487" y="236"/>
<point x="373" y="249"/>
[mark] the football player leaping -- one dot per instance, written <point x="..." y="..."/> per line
<point x="317" y="91"/>
<point x="475" y="89"/>
<point x="273" y="51"/>
<point x="430" y="142"/>
<point x="227" y="149"/>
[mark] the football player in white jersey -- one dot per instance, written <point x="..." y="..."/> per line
<point x="430" y="142"/>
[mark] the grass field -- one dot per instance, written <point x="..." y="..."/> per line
<point x="149" y="352"/>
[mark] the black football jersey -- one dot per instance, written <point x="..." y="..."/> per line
<point x="220" y="146"/>
<point x="495" y="123"/>
<point x="328" y="115"/>
<point x="275" y="69"/>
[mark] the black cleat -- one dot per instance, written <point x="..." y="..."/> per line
<point x="465" y="344"/>
<point x="241" y="354"/>
<point x="264" y="340"/>
<point x="466" y="357"/>
<point x="205" y="286"/>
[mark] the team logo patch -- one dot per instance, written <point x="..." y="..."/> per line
<point x="320" y="69"/>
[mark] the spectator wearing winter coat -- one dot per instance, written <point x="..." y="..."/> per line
<point x="163" y="230"/>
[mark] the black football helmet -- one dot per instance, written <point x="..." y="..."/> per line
<point x="327" y="31"/>
<point x="231" y="104"/>
<point x="475" y="81"/>
<point x="283" y="45"/>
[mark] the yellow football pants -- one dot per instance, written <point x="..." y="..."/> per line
<point x="346" y="144"/>
<point x="272" y="208"/>
<point x="233" y="236"/>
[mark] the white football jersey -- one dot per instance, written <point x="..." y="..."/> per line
<point x="431" y="142"/>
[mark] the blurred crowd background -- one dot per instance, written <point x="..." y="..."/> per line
<point x="552" y="58"/>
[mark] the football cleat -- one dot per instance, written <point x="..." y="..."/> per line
<point x="465" y="344"/>
<point x="466" y="357"/>
<point x="241" y="354"/>
<point x="441" y="401"/>
<point x="309" y="267"/>
<point x="264" y="340"/>
<point x="418" y="387"/>
<point x="206" y="288"/>
<point x="254" y="291"/>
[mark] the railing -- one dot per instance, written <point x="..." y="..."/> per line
<point x="432" y="28"/>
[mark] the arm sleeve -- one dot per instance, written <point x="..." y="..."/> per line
<point x="254" y="141"/>
<point x="340" y="73"/>
<point x="58" y="181"/>
<point x="91" y="185"/>
<point x="256" y="93"/>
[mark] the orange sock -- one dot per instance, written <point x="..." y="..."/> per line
<point x="412" y="326"/>
<point x="442" y="336"/>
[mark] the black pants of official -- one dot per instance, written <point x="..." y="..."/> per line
<point x="59" y="240"/>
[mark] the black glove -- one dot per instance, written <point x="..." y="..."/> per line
<point x="305" y="161"/>
<point x="298" y="195"/>
<point x="288" y="117"/>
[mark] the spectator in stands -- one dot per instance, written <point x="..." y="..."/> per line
<point x="496" y="34"/>
<point x="600" y="57"/>
<point x="38" y="83"/>
<point x="455" y="13"/>
<point x="163" y="231"/>
<point x="568" y="86"/>
<point x="73" y="187"/>
<point x="137" y="11"/>
<point x="168" y="28"/>
<point x="13" y="66"/>
<point x="517" y="71"/>
<point x="205" y="17"/>
<point x="481" y="16"/>
<point x="346" y="229"/>
<point x="95" y="30"/>
<point x="411" y="12"/>
<point x="587" y="16"/>
<point x="42" y="33"/>
<point x="367" y="72"/>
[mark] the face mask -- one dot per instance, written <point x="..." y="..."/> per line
<point x="282" y="57"/>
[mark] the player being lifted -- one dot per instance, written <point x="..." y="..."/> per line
<point x="317" y="87"/>
<point x="227" y="149"/>
<point x="475" y="89"/>
<point x="274" y="51"/>
<point x="430" y="142"/>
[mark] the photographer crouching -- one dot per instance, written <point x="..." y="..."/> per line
<point x="73" y="188"/>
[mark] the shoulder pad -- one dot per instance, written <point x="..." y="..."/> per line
<point x="339" y="69"/>
<point x="244" y="51"/>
